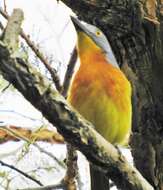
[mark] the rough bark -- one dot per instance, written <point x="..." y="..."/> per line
<point x="134" y="28"/>
<point x="80" y="133"/>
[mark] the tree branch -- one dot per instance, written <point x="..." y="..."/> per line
<point x="21" y="172"/>
<point x="49" y="187"/>
<point x="13" y="30"/>
<point x="69" y="72"/>
<point x="4" y="5"/>
<point x="22" y="137"/>
<point x="74" y="128"/>
<point x="38" y="53"/>
<point x="72" y="168"/>
<point x="10" y="133"/>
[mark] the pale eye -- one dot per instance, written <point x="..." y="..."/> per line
<point x="98" y="33"/>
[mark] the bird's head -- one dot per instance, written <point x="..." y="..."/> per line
<point x="90" y="35"/>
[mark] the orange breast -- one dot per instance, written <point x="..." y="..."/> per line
<point x="102" y="94"/>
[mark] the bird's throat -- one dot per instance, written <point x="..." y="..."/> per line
<point x="88" y="51"/>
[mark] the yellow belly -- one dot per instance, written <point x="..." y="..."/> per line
<point x="110" y="113"/>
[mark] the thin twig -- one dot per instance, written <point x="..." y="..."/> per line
<point x="5" y="88"/>
<point x="49" y="187"/>
<point x="4" y="5"/>
<point x="38" y="53"/>
<point x="21" y="172"/>
<point x="50" y="155"/>
<point x="42" y="134"/>
<point x="35" y="144"/>
<point x="69" y="72"/>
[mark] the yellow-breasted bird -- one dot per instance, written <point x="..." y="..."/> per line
<point x="99" y="90"/>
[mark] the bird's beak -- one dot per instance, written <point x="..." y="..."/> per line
<point x="78" y="25"/>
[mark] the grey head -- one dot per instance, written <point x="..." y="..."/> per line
<point x="98" y="37"/>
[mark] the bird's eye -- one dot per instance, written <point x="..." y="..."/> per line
<point x="98" y="33"/>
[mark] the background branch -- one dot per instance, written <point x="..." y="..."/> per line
<point x="38" y="53"/>
<point x="49" y="187"/>
<point x="72" y="168"/>
<point x="69" y="72"/>
<point x="18" y="135"/>
<point x="14" y="133"/>
<point x="21" y="172"/>
<point x="4" y="5"/>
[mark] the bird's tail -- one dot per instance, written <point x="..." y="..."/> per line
<point x="98" y="179"/>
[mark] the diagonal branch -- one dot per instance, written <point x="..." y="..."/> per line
<point x="74" y="128"/>
<point x="15" y="133"/>
<point x="69" y="72"/>
<point x="22" y="137"/>
<point x="49" y="187"/>
<point x="21" y="172"/>
<point x="37" y="52"/>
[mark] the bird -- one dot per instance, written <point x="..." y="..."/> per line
<point x="100" y="91"/>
